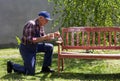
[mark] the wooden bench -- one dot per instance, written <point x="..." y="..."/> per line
<point x="88" y="38"/>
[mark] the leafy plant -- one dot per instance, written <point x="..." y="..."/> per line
<point x="86" y="12"/>
<point x="18" y="40"/>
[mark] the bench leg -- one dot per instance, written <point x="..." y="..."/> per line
<point x="62" y="64"/>
<point x="58" y="65"/>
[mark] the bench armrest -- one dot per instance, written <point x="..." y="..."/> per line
<point x="59" y="41"/>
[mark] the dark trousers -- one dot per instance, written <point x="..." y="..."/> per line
<point x="28" y="53"/>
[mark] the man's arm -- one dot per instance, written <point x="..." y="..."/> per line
<point x="42" y="38"/>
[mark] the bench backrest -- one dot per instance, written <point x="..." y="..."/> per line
<point x="91" y="38"/>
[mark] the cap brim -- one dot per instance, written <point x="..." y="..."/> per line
<point x="49" y="19"/>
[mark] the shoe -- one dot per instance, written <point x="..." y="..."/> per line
<point x="47" y="70"/>
<point x="9" y="67"/>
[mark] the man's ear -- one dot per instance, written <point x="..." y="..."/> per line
<point x="41" y="17"/>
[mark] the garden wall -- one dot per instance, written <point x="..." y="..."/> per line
<point x="14" y="14"/>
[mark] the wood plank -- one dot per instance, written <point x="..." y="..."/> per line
<point x="99" y="39"/>
<point x="89" y="56"/>
<point x="67" y="38"/>
<point x="72" y="38"/>
<point x="92" y="47"/>
<point x="88" y="38"/>
<point x="77" y="39"/>
<point x="82" y="38"/>
<point x="110" y="38"/>
<point x="93" y="39"/>
<point x="104" y="42"/>
<point x="115" y="40"/>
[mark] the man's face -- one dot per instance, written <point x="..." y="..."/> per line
<point x="43" y="21"/>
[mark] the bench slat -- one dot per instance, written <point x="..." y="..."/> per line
<point x="92" y="47"/>
<point x="115" y="38"/>
<point x="93" y="40"/>
<point x="89" y="56"/>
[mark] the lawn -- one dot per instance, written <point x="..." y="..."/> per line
<point x="75" y="69"/>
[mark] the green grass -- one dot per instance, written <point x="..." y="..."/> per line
<point x="75" y="69"/>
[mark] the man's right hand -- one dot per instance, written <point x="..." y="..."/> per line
<point x="49" y="36"/>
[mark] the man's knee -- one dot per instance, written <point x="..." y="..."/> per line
<point x="49" y="46"/>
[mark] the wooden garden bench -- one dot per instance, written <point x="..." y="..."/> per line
<point x="88" y="38"/>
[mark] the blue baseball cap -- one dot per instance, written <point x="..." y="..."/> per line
<point x="45" y="14"/>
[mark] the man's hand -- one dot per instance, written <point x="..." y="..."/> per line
<point x="57" y="34"/>
<point x="49" y="36"/>
<point x="43" y="38"/>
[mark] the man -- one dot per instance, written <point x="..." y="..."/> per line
<point x="32" y="42"/>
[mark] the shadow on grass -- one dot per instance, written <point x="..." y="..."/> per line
<point x="64" y="76"/>
<point x="12" y="76"/>
<point x="81" y="76"/>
